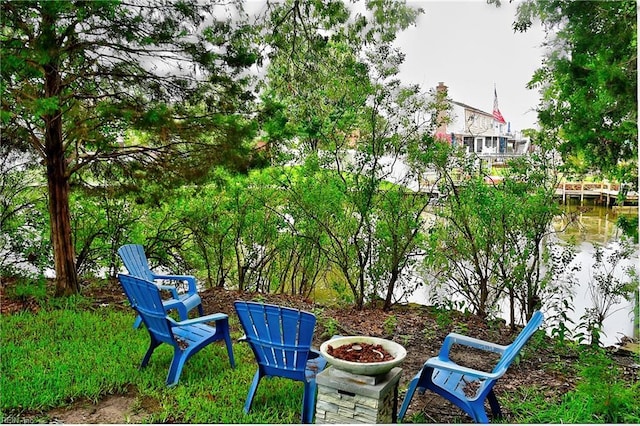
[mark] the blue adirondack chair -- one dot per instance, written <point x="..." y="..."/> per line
<point x="281" y="342"/>
<point x="187" y="337"/>
<point x="466" y="387"/>
<point x="135" y="260"/>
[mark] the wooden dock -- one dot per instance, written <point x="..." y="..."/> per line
<point x="605" y="193"/>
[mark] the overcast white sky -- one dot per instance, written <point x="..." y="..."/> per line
<point x="470" y="46"/>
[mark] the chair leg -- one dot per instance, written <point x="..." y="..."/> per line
<point x="252" y="391"/>
<point x="495" y="406"/>
<point x="137" y="322"/>
<point x="479" y="414"/>
<point x="308" y="401"/>
<point x="183" y="314"/>
<point x="407" y="398"/>
<point x="152" y="346"/>
<point x="179" y="358"/>
<point x="227" y="341"/>
<point x="201" y="310"/>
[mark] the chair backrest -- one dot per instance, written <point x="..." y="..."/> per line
<point x="514" y="348"/>
<point x="280" y="337"/>
<point x="144" y="297"/>
<point x="135" y="260"/>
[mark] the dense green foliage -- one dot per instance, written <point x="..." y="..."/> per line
<point x="492" y="234"/>
<point x="22" y="213"/>
<point x="156" y="158"/>
<point x="78" y="79"/>
<point x="588" y="82"/>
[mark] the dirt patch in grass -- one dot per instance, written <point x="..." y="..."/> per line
<point x="129" y="407"/>
<point x="111" y="409"/>
<point x="420" y="329"/>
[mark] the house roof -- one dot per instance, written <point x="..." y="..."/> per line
<point x="470" y="108"/>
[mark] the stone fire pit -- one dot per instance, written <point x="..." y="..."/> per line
<point x="397" y="351"/>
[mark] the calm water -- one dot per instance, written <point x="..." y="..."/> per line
<point x="596" y="225"/>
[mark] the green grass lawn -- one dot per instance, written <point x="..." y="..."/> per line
<point x="58" y="356"/>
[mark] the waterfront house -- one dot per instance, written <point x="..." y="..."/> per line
<point x="485" y="134"/>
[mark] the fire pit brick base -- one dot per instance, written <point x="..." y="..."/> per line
<point x="351" y="398"/>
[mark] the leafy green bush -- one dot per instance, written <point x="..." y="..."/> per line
<point x="609" y="399"/>
<point x="600" y="396"/>
<point x="27" y="288"/>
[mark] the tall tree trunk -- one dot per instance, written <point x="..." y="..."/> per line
<point x="58" y="183"/>
<point x="59" y="213"/>
<point x="512" y="308"/>
<point x="391" y="286"/>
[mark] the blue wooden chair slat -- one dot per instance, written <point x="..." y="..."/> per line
<point x="135" y="260"/>
<point x="303" y="336"/>
<point x="293" y="337"/>
<point x="450" y="380"/>
<point x="260" y="327"/>
<point x="274" y="340"/>
<point x="281" y="342"/>
<point x="186" y="337"/>
<point x="273" y="321"/>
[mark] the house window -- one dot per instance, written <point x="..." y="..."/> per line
<point x="479" y="142"/>
<point x="468" y="142"/>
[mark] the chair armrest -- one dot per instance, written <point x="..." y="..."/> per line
<point x="199" y="320"/>
<point x="170" y="288"/>
<point x="190" y="279"/>
<point x="441" y="364"/>
<point x="455" y="338"/>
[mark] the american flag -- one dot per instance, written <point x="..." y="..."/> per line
<point x="496" y="112"/>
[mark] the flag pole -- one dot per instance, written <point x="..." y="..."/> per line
<point x="496" y="111"/>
